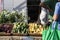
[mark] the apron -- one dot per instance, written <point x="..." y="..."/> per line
<point x="44" y="16"/>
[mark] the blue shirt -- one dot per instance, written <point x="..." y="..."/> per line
<point x="57" y="11"/>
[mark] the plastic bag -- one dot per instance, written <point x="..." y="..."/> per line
<point x="50" y="34"/>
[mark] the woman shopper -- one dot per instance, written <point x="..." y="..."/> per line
<point x="56" y="16"/>
<point x="53" y="33"/>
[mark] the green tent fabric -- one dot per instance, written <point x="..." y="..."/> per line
<point x="50" y="34"/>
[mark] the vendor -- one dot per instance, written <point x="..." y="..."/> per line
<point x="50" y="5"/>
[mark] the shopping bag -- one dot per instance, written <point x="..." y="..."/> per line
<point x="51" y="34"/>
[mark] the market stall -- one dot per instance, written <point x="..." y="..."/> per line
<point x="14" y="22"/>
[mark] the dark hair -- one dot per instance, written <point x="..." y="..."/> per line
<point x="58" y="0"/>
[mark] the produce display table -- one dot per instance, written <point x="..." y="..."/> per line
<point x="15" y="36"/>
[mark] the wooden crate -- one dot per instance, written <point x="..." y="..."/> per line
<point x="20" y="38"/>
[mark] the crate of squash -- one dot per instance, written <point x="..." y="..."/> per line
<point x="34" y="28"/>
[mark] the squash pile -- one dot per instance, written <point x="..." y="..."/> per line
<point x="35" y="28"/>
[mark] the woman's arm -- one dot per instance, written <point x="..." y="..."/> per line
<point x="57" y="12"/>
<point x="55" y="17"/>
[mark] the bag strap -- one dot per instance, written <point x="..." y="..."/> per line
<point x="56" y="25"/>
<point x="50" y="26"/>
